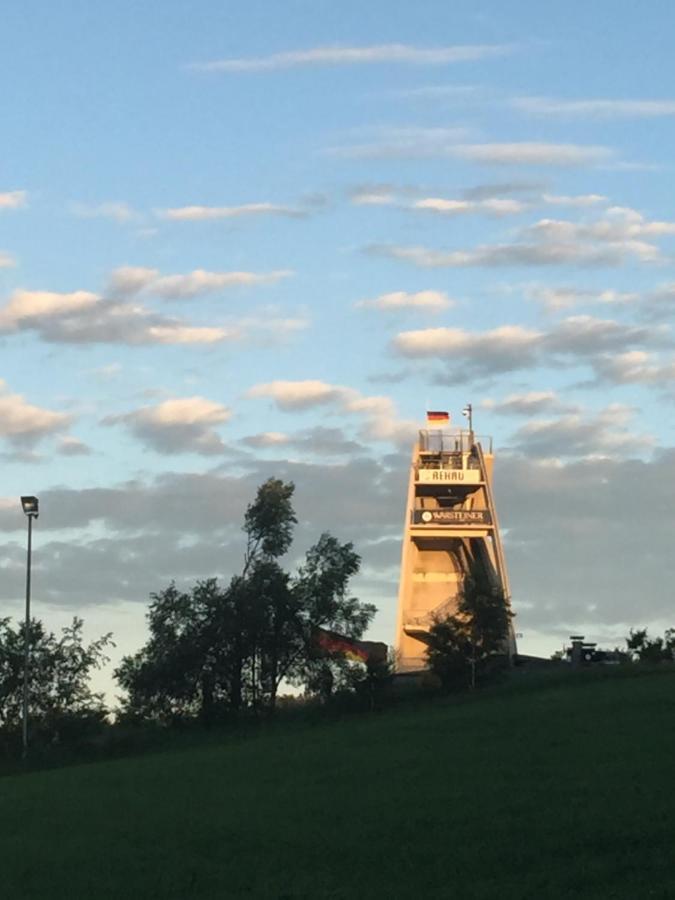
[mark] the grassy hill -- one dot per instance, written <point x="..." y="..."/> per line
<point x="561" y="791"/>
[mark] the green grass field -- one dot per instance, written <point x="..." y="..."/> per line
<point x="565" y="790"/>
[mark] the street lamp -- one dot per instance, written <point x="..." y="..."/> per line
<point x="31" y="508"/>
<point x="468" y="412"/>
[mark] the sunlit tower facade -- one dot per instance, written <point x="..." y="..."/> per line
<point x="450" y="527"/>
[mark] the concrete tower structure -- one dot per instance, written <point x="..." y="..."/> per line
<point x="450" y="526"/>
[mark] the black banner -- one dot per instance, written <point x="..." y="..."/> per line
<point x="451" y="517"/>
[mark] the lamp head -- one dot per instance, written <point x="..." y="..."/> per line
<point x="30" y="506"/>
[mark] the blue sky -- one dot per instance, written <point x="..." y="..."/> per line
<point x="241" y="240"/>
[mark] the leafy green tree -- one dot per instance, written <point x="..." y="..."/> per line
<point x="449" y="651"/>
<point x="269" y="522"/>
<point x="61" y="702"/>
<point x="466" y="644"/>
<point x="168" y="679"/>
<point x="267" y="609"/>
<point x="212" y="650"/>
<point x="321" y="588"/>
<point x="644" y="649"/>
<point x="378" y="679"/>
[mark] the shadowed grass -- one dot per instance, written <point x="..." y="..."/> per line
<point x="565" y="791"/>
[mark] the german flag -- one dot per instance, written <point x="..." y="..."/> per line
<point x="350" y="648"/>
<point x="437" y="418"/>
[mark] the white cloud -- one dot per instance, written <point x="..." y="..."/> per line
<point x="25" y="306"/>
<point x="83" y="317"/>
<point x="290" y="395"/>
<point x="412" y="142"/>
<point x="484" y="199"/>
<point x="132" y="279"/>
<point x="580" y="201"/>
<point x="388" y="195"/>
<point x="86" y="317"/>
<point x="587" y="335"/>
<point x="608" y="109"/>
<point x="499" y="349"/>
<point x="373" y="196"/>
<point x="13" y="200"/>
<point x="212" y="213"/>
<point x="201" y="282"/>
<point x="524" y="153"/>
<point x="534" y="253"/>
<point x="634" y="367"/>
<point x="381" y="421"/>
<point x="430" y="301"/>
<point x="318" y="441"/>
<point x="23" y="423"/>
<point x="602" y="435"/>
<point x="494" y="206"/>
<point x="418" y="142"/>
<point x="129" y="280"/>
<point x="619" y="225"/>
<point x="659" y="302"/>
<point x="527" y="404"/>
<point x="621" y="234"/>
<point x="71" y="446"/>
<point x="267" y="439"/>
<point x="175" y="333"/>
<point x="556" y="298"/>
<point x="503" y="188"/>
<point x="178" y="425"/>
<point x="341" y="56"/>
<point x="453" y="92"/>
<point x="577" y="340"/>
<point x="187" y="411"/>
<point x="117" y="211"/>
<point x="7" y="261"/>
<point x="268" y="325"/>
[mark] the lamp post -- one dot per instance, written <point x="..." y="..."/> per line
<point x="31" y="508"/>
<point x="468" y="412"/>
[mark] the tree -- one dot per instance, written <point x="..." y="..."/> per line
<point x="61" y="702"/>
<point x="215" y="650"/>
<point x="212" y="649"/>
<point x="320" y="587"/>
<point x="644" y="649"/>
<point x="463" y="645"/>
<point x="449" y="651"/>
<point x="266" y="604"/>
<point x="269" y="522"/>
<point x="166" y="679"/>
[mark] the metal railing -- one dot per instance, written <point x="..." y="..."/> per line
<point x="441" y="441"/>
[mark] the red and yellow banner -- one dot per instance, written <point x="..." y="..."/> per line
<point x="350" y="648"/>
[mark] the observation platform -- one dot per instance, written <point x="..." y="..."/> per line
<point x="450" y="529"/>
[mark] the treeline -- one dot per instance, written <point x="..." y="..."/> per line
<point x="219" y="652"/>
<point x="215" y="651"/>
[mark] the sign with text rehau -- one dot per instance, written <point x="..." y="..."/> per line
<point x="448" y="476"/>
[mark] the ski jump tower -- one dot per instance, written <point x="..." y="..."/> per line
<point x="450" y="526"/>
